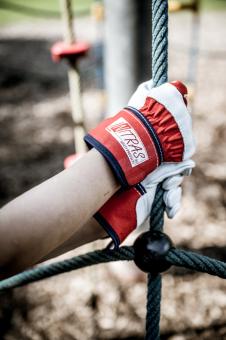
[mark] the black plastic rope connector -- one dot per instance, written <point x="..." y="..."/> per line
<point x="151" y="249"/>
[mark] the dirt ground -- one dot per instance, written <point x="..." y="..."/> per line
<point x="36" y="135"/>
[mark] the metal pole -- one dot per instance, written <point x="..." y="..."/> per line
<point x="127" y="58"/>
<point x="119" y="58"/>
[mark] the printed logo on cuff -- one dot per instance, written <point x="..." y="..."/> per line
<point x="128" y="138"/>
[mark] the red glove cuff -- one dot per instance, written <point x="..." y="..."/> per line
<point x="127" y="145"/>
<point x="135" y="142"/>
<point x="118" y="215"/>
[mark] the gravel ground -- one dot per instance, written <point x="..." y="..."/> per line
<point x="35" y="137"/>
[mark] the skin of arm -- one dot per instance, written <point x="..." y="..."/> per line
<point x="89" y="232"/>
<point x="38" y="221"/>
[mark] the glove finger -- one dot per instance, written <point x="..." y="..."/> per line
<point x="187" y="172"/>
<point x="172" y="182"/>
<point x="144" y="206"/>
<point x="147" y="85"/>
<point x="182" y="89"/>
<point x="166" y="170"/>
<point x="171" y="212"/>
<point x="138" y="98"/>
<point x="172" y="197"/>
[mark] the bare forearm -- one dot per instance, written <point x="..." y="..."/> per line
<point x="38" y="221"/>
<point x="89" y="232"/>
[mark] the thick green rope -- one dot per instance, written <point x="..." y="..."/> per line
<point x="177" y="257"/>
<point x="77" y="262"/>
<point x="154" y="283"/>
<point x="198" y="262"/>
<point x="159" y="76"/>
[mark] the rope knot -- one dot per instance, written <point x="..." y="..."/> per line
<point x="151" y="249"/>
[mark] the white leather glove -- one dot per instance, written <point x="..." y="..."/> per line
<point x="128" y="209"/>
<point x="172" y="176"/>
<point x="184" y="122"/>
<point x="173" y="172"/>
<point x="153" y="129"/>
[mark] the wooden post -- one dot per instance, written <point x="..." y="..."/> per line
<point x="74" y="80"/>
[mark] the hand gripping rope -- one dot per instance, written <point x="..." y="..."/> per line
<point x="153" y="251"/>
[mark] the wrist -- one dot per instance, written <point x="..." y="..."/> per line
<point x="127" y="145"/>
<point x="137" y="140"/>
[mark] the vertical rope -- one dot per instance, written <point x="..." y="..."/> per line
<point x="74" y="80"/>
<point x="153" y="307"/>
<point x="155" y="281"/>
<point x="159" y="41"/>
<point x="159" y="76"/>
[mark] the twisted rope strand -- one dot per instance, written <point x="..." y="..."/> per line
<point x="159" y="76"/>
<point x="155" y="283"/>
<point x="77" y="262"/>
<point x="153" y="307"/>
<point x="198" y="262"/>
<point x="157" y="213"/>
<point x="177" y="257"/>
<point x="159" y="41"/>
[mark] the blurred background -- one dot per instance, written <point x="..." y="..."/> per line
<point x="36" y="135"/>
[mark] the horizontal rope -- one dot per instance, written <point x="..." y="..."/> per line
<point x="176" y="257"/>
<point x="76" y="262"/>
<point x="197" y="262"/>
